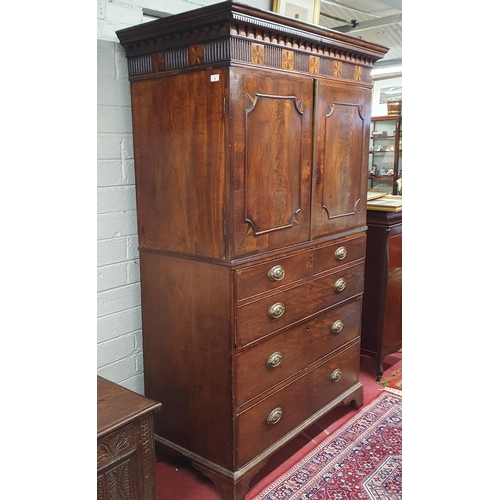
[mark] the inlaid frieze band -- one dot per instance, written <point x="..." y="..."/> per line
<point x="257" y="54"/>
<point x="314" y="65"/>
<point x="196" y="55"/>
<point x="337" y="69"/>
<point x="287" y="59"/>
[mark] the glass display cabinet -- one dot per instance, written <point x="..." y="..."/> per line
<point x="385" y="171"/>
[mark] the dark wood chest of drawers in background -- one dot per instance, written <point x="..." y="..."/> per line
<point x="125" y="443"/>
<point x="250" y="148"/>
<point x="382" y="324"/>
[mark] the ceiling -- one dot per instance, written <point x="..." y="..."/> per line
<point x="377" y="21"/>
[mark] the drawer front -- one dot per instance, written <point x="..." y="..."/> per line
<point x="271" y="362"/>
<point x="262" y="278"/>
<point x="254" y="320"/>
<point x="296" y="402"/>
<point x="338" y="254"/>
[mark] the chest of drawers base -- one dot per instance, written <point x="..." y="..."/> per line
<point x="234" y="485"/>
<point x="244" y="381"/>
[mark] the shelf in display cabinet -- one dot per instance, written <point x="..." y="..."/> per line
<point x="388" y="151"/>
<point x="384" y="177"/>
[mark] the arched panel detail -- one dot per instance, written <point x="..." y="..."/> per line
<point x="344" y="124"/>
<point x="273" y="155"/>
<point x="356" y="206"/>
<point x="361" y="112"/>
<point x="251" y="100"/>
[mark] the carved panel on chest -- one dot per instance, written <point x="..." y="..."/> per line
<point x="125" y="444"/>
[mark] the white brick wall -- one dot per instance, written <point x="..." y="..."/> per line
<point x="119" y="335"/>
<point x="119" y="341"/>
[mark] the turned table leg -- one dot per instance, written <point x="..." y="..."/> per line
<point x="380" y="371"/>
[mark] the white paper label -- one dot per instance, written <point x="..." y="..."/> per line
<point x="214" y="78"/>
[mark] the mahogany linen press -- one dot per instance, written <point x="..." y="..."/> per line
<point x="250" y="138"/>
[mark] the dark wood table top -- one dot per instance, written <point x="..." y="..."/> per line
<point x="117" y="406"/>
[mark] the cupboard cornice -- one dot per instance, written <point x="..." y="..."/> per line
<point x="228" y="33"/>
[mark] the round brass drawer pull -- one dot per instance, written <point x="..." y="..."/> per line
<point x="276" y="310"/>
<point x="274" y="416"/>
<point x="276" y="273"/>
<point x="336" y="375"/>
<point x="341" y="253"/>
<point x="274" y="360"/>
<point x="340" y="285"/>
<point x="337" y="326"/>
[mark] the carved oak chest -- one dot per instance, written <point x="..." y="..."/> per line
<point x="125" y="443"/>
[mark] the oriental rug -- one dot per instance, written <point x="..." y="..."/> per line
<point x="362" y="460"/>
<point x="394" y="382"/>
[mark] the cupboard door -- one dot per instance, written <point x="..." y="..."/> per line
<point x="271" y="156"/>
<point x="339" y="179"/>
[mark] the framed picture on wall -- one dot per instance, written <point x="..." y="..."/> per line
<point x="304" y="10"/>
<point x="392" y="93"/>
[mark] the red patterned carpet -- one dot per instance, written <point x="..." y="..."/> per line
<point x="361" y="460"/>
